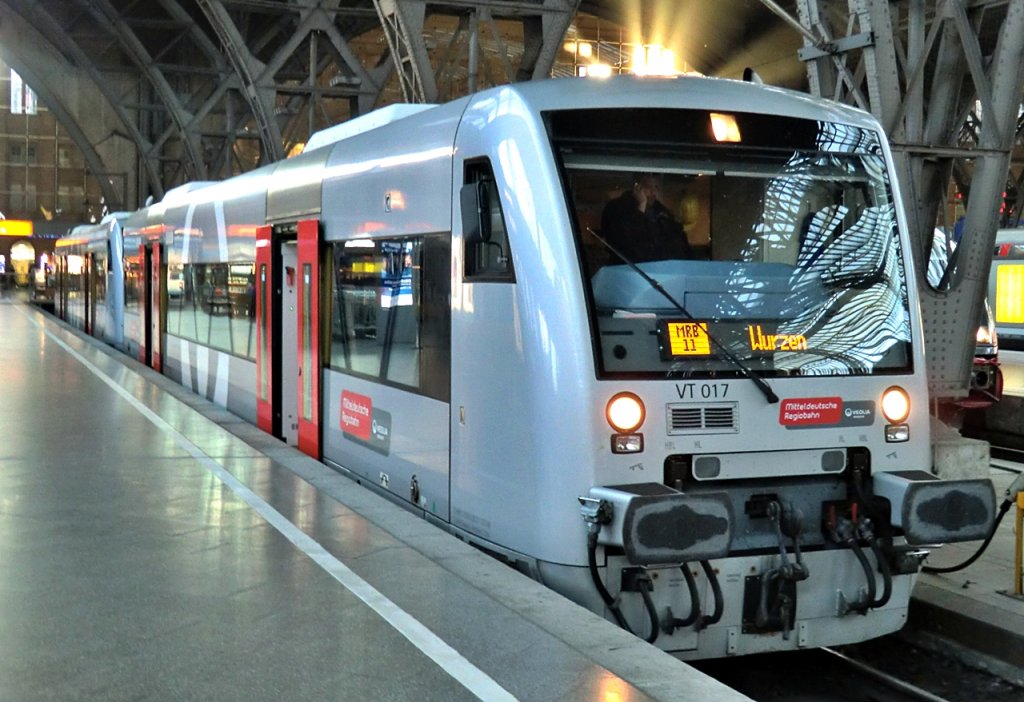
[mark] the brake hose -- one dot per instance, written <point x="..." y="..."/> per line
<point x="645" y="586"/>
<point x="1003" y="509"/>
<point x="609" y="601"/>
<point x="716" y="590"/>
<point x="883" y="565"/>
<point x="691" y="585"/>
<point x="863" y="607"/>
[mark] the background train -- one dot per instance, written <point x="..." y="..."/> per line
<point x="1006" y="288"/>
<point x="985" y="386"/>
<point x="726" y="454"/>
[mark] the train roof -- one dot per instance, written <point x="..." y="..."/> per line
<point x="364" y="123"/>
<point x="680" y="92"/>
<point x="530" y="97"/>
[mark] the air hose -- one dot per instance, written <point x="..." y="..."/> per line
<point x="691" y="585"/>
<point x="645" y="591"/>
<point x="869" y="573"/>
<point x="716" y="590"/>
<point x="612" y="603"/>
<point x="1003" y="509"/>
<point x="883" y="565"/>
<point x="606" y="596"/>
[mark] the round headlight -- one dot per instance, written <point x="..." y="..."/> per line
<point x="625" y="412"/>
<point x="895" y="404"/>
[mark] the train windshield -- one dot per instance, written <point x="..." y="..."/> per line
<point x="702" y="236"/>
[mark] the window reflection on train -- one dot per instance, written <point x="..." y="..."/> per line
<point x="215" y="306"/>
<point x="76" y="272"/>
<point x="777" y="233"/>
<point x="389" y="318"/>
<point x="133" y="287"/>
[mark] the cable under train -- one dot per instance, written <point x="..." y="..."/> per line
<point x="726" y="453"/>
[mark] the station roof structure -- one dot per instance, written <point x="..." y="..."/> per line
<point x="204" y="89"/>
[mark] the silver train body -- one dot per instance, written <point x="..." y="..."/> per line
<point x="91" y="260"/>
<point x="423" y="300"/>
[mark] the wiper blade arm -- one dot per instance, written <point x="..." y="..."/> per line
<point x="747" y="372"/>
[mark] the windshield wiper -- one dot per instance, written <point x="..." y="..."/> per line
<point x="746" y="371"/>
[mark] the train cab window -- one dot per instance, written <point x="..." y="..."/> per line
<point x="485" y="236"/>
<point x="390" y="315"/>
<point x="791" y="261"/>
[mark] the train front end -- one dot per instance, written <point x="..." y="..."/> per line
<point x="763" y="481"/>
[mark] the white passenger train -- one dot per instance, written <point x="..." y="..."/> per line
<point x="726" y="454"/>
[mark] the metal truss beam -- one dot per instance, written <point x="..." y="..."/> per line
<point x="403" y="29"/>
<point x="104" y="12"/>
<point x="919" y="67"/>
<point x="66" y="48"/>
<point x="247" y="67"/>
<point x="544" y="25"/>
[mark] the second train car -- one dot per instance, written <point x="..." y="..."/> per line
<point x="726" y="453"/>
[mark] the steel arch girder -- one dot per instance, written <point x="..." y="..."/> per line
<point x="260" y="99"/>
<point x="104" y="11"/>
<point x="23" y="37"/>
<point x="925" y="136"/>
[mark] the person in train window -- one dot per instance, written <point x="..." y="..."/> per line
<point x="640" y="227"/>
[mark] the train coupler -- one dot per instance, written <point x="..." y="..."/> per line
<point x="769" y="599"/>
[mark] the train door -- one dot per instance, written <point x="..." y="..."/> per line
<point x="288" y="334"/>
<point x="145" y="263"/>
<point x="84" y="291"/>
<point x="157" y="295"/>
<point x="58" y="276"/>
<point x="89" y="290"/>
<point x="265" y="298"/>
<point x="308" y="336"/>
<point x="287" y="376"/>
<point x="152" y="308"/>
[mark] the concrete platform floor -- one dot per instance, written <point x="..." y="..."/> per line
<point x="155" y="547"/>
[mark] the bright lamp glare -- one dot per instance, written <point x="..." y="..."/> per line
<point x="895" y="405"/>
<point x="724" y="127"/>
<point x="625" y="412"/>
<point x="653" y="60"/>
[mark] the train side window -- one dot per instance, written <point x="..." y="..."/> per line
<point x="484" y="234"/>
<point x="390" y="314"/>
<point x="132" y="281"/>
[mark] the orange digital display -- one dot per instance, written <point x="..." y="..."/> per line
<point x="15" y="227"/>
<point x="687" y="339"/>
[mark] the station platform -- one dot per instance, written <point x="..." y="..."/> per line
<point x="975" y="609"/>
<point x="154" y="546"/>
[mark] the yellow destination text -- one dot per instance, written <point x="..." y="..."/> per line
<point x="759" y="341"/>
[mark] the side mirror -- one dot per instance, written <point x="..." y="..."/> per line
<point x="474" y="200"/>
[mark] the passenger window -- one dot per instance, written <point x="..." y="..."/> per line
<point x="390" y="317"/>
<point x="214" y="304"/>
<point x="485" y="236"/>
